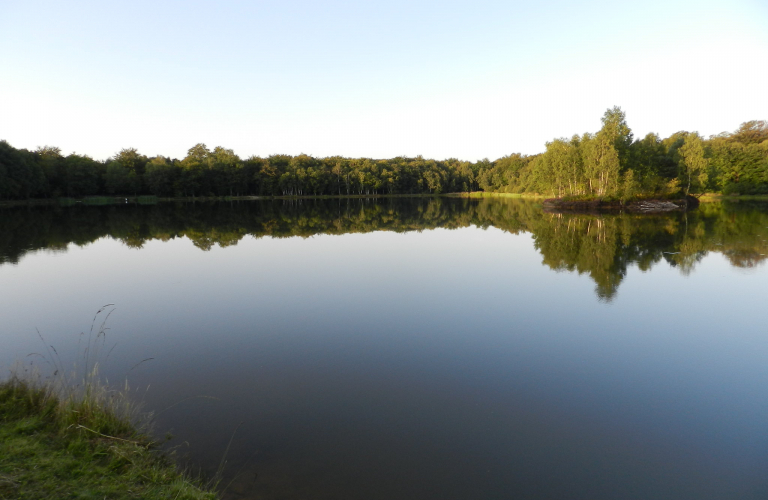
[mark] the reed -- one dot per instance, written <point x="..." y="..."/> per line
<point x="70" y="435"/>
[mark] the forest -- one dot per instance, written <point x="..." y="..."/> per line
<point x="601" y="246"/>
<point x="609" y="163"/>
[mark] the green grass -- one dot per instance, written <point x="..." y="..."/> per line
<point x="147" y="200"/>
<point x="70" y="436"/>
<point x="493" y="194"/>
<point x="733" y="197"/>
<point x="66" y="202"/>
<point x="99" y="200"/>
<point x="80" y="448"/>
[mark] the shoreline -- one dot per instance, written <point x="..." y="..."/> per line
<point x="636" y="206"/>
<point x="57" y="446"/>
<point x="151" y="200"/>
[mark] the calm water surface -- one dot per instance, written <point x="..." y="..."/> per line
<point x="419" y="348"/>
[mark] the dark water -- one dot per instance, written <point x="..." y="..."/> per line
<point x="419" y="348"/>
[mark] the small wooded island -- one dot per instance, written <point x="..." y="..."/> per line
<point x="609" y="165"/>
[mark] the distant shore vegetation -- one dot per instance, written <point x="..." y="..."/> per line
<point x="609" y="163"/>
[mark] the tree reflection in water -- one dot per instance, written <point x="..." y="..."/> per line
<point x="601" y="245"/>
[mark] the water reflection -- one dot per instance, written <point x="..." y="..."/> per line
<point x="602" y="246"/>
<point x="396" y="362"/>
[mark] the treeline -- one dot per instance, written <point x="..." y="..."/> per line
<point x="602" y="246"/>
<point x="609" y="163"/>
<point x="46" y="173"/>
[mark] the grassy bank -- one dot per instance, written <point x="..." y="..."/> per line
<point x="491" y="194"/>
<point x="151" y="200"/>
<point x="711" y="197"/>
<point x="84" y="447"/>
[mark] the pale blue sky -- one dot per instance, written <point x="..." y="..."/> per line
<point x="442" y="79"/>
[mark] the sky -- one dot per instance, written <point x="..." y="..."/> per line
<point x="443" y="79"/>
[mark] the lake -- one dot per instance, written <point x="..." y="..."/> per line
<point x="417" y="348"/>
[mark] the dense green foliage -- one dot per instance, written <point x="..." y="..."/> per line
<point x="608" y="163"/>
<point x="45" y="173"/>
<point x="603" y="246"/>
<point x="60" y="448"/>
<point x="612" y="164"/>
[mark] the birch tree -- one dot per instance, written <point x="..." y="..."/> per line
<point x="693" y="165"/>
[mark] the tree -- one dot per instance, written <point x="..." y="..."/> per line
<point x="564" y="162"/>
<point x="630" y="186"/>
<point x="618" y="132"/>
<point x="133" y="165"/>
<point x="601" y="163"/>
<point x="160" y="176"/>
<point x="751" y="132"/>
<point x="20" y="175"/>
<point x="225" y="166"/>
<point x="52" y="163"/>
<point x="83" y="175"/>
<point x="194" y="173"/>
<point x="119" y="180"/>
<point x="693" y="165"/>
